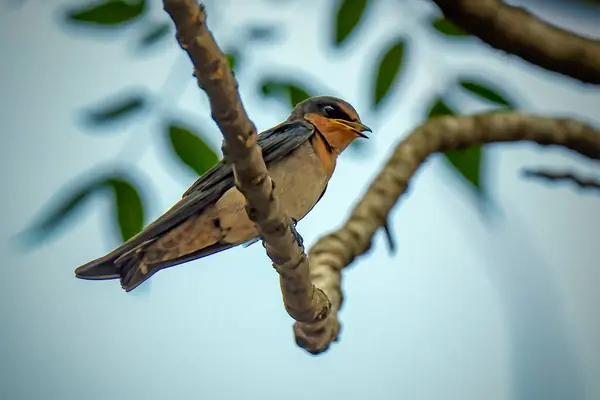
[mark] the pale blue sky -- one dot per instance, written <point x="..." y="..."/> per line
<point x="465" y="310"/>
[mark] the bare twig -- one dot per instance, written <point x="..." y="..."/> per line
<point x="337" y="250"/>
<point x="303" y="301"/>
<point x="516" y="31"/>
<point x="583" y="183"/>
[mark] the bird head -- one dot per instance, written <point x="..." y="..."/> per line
<point x="334" y="118"/>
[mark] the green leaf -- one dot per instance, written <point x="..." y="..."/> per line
<point x="113" y="111"/>
<point x="348" y="15"/>
<point x="231" y="60"/>
<point x="191" y="149"/>
<point x="291" y="92"/>
<point x="447" y="27"/>
<point x="467" y="162"/>
<point x="387" y="71"/>
<point x="157" y="32"/>
<point x="58" y="213"/>
<point x="485" y="92"/>
<point x="439" y="108"/>
<point x="297" y="95"/>
<point x="108" y="13"/>
<point x="129" y="209"/>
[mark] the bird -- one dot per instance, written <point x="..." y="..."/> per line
<point x="300" y="154"/>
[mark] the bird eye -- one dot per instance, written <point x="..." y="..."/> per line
<point x="335" y="113"/>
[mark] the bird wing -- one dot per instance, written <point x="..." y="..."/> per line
<point x="276" y="143"/>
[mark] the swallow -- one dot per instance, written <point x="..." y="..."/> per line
<point x="300" y="155"/>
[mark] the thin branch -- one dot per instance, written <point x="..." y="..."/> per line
<point x="583" y="183"/>
<point x="337" y="250"/>
<point x="302" y="300"/>
<point x="516" y="31"/>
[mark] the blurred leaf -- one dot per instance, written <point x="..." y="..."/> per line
<point x="447" y="27"/>
<point x="116" y="110"/>
<point x="127" y="201"/>
<point x="485" y="92"/>
<point x="112" y="12"/>
<point x="467" y="162"/>
<point x="297" y="95"/>
<point x="157" y="32"/>
<point x="128" y="206"/>
<point x="192" y="150"/>
<point x="291" y="92"/>
<point x="439" y="108"/>
<point x="348" y="16"/>
<point x="231" y="60"/>
<point x="261" y="33"/>
<point x="58" y="213"/>
<point x="388" y="70"/>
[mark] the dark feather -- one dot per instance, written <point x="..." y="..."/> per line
<point x="131" y="276"/>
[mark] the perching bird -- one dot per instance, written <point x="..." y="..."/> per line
<point x="300" y="155"/>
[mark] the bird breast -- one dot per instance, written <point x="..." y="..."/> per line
<point x="300" y="179"/>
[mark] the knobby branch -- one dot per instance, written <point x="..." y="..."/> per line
<point x="338" y="249"/>
<point x="504" y="27"/>
<point x="516" y="31"/>
<point x="306" y="303"/>
<point x="312" y="293"/>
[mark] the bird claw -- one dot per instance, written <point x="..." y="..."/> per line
<point x="296" y="234"/>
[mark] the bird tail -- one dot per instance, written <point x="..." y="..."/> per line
<point x="99" y="269"/>
<point x="108" y="266"/>
<point x="133" y="268"/>
<point x="129" y="267"/>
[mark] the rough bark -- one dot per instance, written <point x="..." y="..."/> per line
<point x="302" y="300"/>
<point x="516" y="31"/>
<point x="337" y="250"/>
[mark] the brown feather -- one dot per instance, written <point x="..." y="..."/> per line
<point x="300" y="180"/>
<point x="300" y="155"/>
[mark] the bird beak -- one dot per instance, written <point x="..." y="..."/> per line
<point x="356" y="127"/>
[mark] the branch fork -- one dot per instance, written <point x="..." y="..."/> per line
<point x="312" y="292"/>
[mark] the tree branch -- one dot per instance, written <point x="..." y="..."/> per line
<point x="516" y="31"/>
<point x="302" y="300"/>
<point x="337" y="250"/>
<point x="315" y="309"/>
<point x="583" y="183"/>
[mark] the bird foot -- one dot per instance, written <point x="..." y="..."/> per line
<point x="297" y="235"/>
